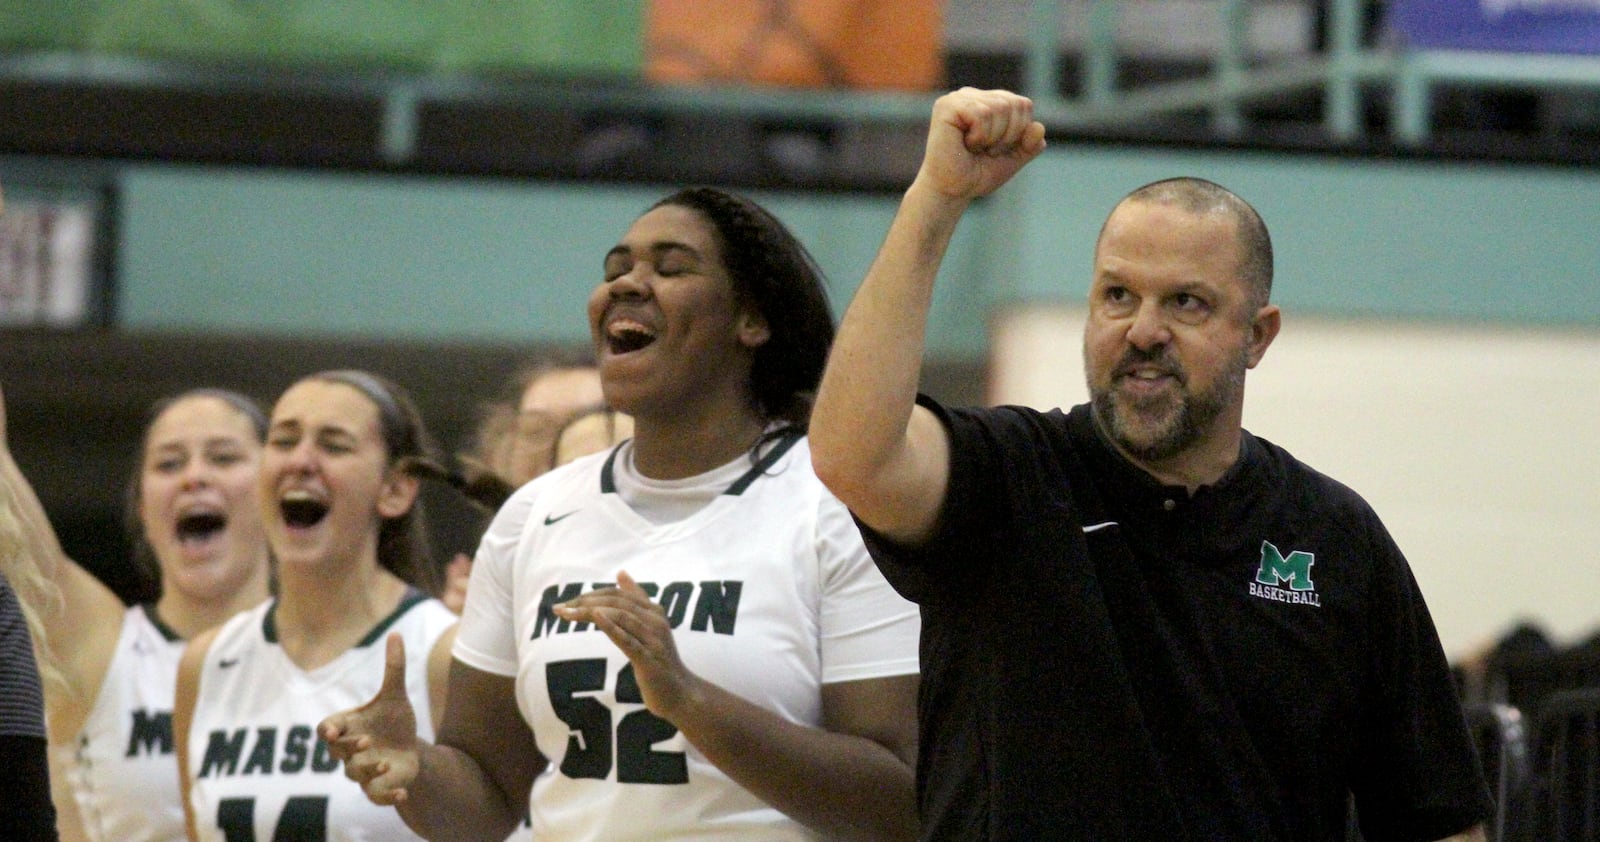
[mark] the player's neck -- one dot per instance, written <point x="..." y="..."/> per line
<point x="684" y="448"/>
<point x="317" y="624"/>
<point x="188" y="614"/>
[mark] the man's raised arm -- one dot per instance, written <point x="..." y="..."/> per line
<point x="884" y="457"/>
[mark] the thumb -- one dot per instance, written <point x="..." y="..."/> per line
<point x="394" y="668"/>
<point x="627" y="583"/>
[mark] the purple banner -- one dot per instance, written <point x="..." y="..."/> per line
<point x="1521" y="26"/>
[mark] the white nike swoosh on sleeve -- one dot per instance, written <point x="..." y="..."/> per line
<point x="1096" y="527"/>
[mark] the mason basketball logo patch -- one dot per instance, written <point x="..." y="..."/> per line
<point x="1282" y="578"/>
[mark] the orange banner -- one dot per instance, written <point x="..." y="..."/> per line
<point x="873" y="44"/>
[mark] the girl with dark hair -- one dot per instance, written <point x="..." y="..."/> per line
<point x="682" y="636"/>
<point x="196" y="526"/>
<point x="339" y="482"/>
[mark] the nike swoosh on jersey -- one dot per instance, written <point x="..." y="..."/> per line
<point x="549" y="520"/>
<point x="227" y="662"/>
<point x="1096" y="527"/>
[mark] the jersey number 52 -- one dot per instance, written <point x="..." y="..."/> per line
<point x="590" y="746"/>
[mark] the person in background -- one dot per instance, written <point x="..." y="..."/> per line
<point x="1140" y="621"/>
<point x="515" y="439"/>
<point x="195" y="525"/>
<point x="591" y="432"/>
<point x="346" y="452"/>
<point x="559" y="414"/>
<point x="689" y="620"/>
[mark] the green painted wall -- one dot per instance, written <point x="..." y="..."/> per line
<point x="261" y="251"/>
<point x="253" y="251"/>
<point x="1402" y="239"/>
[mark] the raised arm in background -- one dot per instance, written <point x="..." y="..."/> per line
<point x="89" y="614"/>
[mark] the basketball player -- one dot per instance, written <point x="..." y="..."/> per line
<point x="338" y="489"/>
<point x="1149" y="623"/>
<point x="194" y="519"/>
<point x="699" y="641"/>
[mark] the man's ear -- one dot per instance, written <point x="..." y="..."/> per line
<point x="753" y="329"/>
<point x="1263" y="329"/>
<point x="398" y="494"/>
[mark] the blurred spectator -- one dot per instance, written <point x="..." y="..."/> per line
<point x="558" y="415"/>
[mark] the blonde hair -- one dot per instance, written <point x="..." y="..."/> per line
<point x="35" y="592"/>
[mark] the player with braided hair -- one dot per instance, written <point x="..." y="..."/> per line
<point x="682" y="636"/>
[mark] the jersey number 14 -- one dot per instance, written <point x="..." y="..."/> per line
<point x="304" y="819"/>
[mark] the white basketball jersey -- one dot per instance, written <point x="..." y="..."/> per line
<point x="770" y="593"/>
<point x="122" y="768"/>
<point x="259" y="771"/>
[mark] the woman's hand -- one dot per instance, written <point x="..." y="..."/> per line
<point x="639" y="627"/>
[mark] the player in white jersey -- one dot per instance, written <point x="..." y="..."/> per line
<point x="682" y="638"/>
<point x="195" y="524"/>
<point x="340" y="476"/>
<point x="769" y="594"/>
<point x="121" y="770"/>
<point x="259" y="770"/>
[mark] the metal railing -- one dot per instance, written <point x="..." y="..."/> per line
<point x="1234" y="80"/>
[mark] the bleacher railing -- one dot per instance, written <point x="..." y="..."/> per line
<point x="1235" y="78"/>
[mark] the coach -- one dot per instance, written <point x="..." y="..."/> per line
<point x="1139" y="621"/>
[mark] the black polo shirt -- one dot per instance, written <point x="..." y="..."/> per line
<point x="1105" y="657"/>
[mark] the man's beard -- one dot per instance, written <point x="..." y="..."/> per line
<point x="1158" y="428"/>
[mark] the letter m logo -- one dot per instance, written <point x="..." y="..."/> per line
<point x="1276" y="570"/>
<point x="151" y="733"/>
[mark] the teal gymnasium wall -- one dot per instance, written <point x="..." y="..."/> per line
<point x="412" y="258"/>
